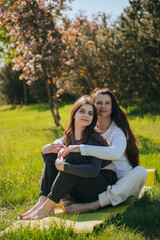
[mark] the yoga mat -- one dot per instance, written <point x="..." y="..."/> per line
<point x="85" y="222"/>
<point x="151" y="177"/>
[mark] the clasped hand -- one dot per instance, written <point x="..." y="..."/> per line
<point x="59" y="163"/>
<point x="52" y="148"/>
<point x="71" y="148"/>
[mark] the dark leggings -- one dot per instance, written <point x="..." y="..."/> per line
<point x="50" y="172"/>
<point x="55" y="184"/>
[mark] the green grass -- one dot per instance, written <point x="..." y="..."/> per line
<point x="25" y="130"/>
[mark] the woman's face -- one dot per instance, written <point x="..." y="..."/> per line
<point x="103" y="104"/>
<point x="84" y="116"/>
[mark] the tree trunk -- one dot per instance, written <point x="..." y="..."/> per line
<point x="52" y="103"/>
<point x="25" y="92"/>
<point x="55" y="100"/>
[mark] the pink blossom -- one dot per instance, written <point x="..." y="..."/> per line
<point x="29" y="82"/>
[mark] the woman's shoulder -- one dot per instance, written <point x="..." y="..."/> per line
<point x="96" y="134"/>
<point x="116" y="131"/>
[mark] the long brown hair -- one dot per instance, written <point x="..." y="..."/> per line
<point x="69" y="132"/>
<point x="120" y="119"/>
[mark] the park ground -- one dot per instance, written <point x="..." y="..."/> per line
<point x="25" y="130"/>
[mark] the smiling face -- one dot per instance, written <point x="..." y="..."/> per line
<point x="103" y="104"/>
<point x="84" y="116"/>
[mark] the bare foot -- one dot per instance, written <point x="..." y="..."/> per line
<point x="77" y="208"/>
<point x="40" y="202"/>
<point x="66" y="201"/>
<point x="47" y="209"/>
<point x="82" y="207"/>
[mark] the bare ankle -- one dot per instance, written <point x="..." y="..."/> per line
<point x="42" y="198"/>
<point x="94" y="206"/>
<point x="49" y="205"/>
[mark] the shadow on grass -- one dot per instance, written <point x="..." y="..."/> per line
<point x="148" y="146"/>
<point x="40" y="107"/>
<point x="143" y="216"/>
<point x="56" y="132"/>
<point x="37" y="107"/>
<point x="141" y="112"/>
<point x="45" y="106"/>
<point x="4" y="108"/>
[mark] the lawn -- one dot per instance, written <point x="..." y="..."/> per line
<point x="25" y="130"/>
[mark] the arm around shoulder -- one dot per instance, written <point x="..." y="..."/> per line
<point x="117" y="146"/>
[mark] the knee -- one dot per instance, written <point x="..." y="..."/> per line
<point x="141" y="173"/>
<point x="75" y="158"/>
<point x="49" y="158"/>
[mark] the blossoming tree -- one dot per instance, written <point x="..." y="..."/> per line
<point x="39" y="44"/>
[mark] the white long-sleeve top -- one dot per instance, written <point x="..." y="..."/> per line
<point x="115" y="151"/>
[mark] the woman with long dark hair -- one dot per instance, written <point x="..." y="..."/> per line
<point x="83" y="178"/>
<point x="122" y="150"/>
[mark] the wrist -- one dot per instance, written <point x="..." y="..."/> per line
<point x="79" y="148"/>
<point x="76" y="148"/>
<point x="63" y="167"/>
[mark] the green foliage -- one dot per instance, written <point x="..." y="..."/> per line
<point x="83" y="54"/>
<point x="14" y="90"/>
<point x="88" y="48"/>
<point x="10" y="87"/>
<point x="4" y="41"/>
<point x="123" y="56"/>
<point x="138" y="51"/>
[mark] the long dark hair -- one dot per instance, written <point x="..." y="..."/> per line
<point x="120" y="119"/>
<point x="87" y="132"/>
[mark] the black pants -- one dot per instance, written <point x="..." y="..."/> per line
<point x="50" y="172"/>
<point x="55" y="185"/>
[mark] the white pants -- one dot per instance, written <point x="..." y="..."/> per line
<point x="128" y="186"/>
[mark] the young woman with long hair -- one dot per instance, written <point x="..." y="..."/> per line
<point x="122" y="150"/>
<point x="83" y="178"/>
